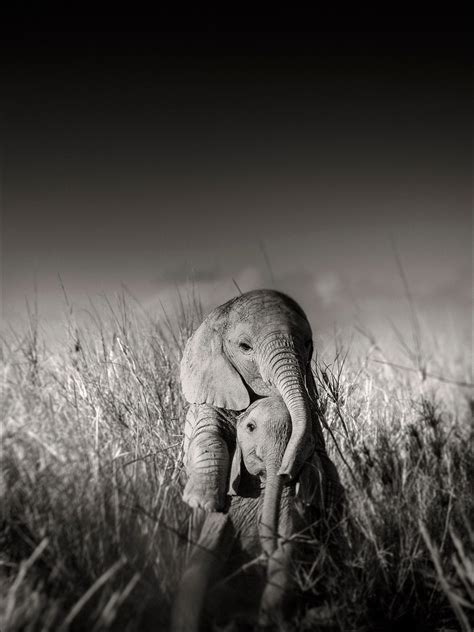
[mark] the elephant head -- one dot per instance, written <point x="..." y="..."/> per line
<point x="263" y="432"/>
<point x="252" y="346"/>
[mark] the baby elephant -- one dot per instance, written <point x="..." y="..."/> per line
<point x="266" y="510"/>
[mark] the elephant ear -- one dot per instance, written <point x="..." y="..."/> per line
<point x="207" y="376"/>
<point x="235" y="472"/>
<point x="310" y="488"/>
<point x="318" y="418"/>
<point x="310" y="383"/>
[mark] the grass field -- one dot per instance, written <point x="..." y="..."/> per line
<point x="93" y="530"/>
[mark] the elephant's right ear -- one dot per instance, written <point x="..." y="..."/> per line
<point x="207" y="376"/>
<point x="235" y="472"/>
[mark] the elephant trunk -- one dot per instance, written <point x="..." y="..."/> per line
<point x="268" y="528"/>
<point x="281" y="366"/>
<point x="277" y="440"/>
<point x="275" y="529"/>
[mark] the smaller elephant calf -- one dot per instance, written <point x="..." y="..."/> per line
<point x="265" y="513"/>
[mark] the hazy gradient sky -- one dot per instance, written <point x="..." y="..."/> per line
<point x="150" y="158"/>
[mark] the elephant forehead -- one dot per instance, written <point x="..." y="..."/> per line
<point x="267" y="300"/>
<point x="272" y="408"/>
<point x="240" y="328"/>
<point x="268" y="318"/>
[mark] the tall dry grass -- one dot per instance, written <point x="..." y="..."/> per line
<point x="93" y="529"/>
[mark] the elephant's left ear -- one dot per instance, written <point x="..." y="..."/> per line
<point x="311" y="384"/>
<point x="310" y="486"/>
<point x="317" y="419"/>
<point x="235" y="472"/>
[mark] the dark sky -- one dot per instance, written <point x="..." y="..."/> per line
<point x="147" y="158"/>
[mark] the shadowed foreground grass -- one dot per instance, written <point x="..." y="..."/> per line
<point x="93" y="531"/>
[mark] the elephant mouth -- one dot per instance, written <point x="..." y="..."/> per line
<point x="259" y="389"/>
<point x="255" y="465"/>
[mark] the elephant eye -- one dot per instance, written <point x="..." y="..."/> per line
<point x="251" y="426"/>
<point x="244" y="346"/>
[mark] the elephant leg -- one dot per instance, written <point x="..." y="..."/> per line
<point x="279" y="580"/>
<point x="277" y="586"/>
<point x="205" y="563"/>
<point x="208" y="433"/>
